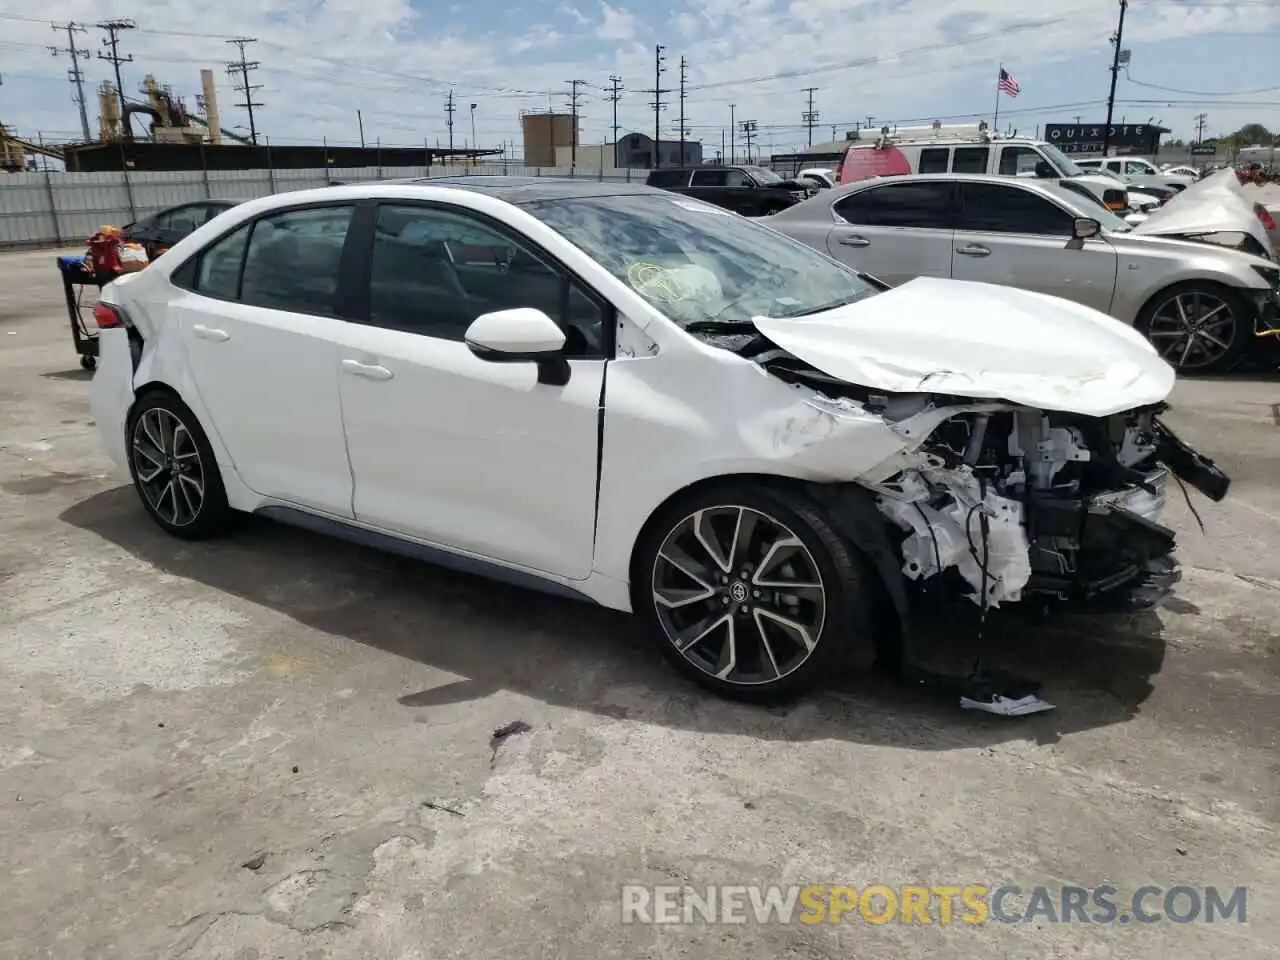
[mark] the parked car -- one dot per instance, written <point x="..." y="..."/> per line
<point x="1180" y="170"/>
<point x="160" y="231"/>
<point x="750" y="191"/>
<point x="1135" y="170"/>
<point x="824" y="177"/>
<point x="1198" y="302"/>
<point x="612" y="393"/>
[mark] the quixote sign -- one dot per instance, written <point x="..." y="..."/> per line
<point x="1089" y="137"/>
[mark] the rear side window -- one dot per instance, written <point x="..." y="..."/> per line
<point x="970" y="160"/>
<point x="919" y="205"/>
<point x="710" y="178"/>
<point x="990" y="208"/>
<point x="934" y="160"/>
<point x="294" y="258"/>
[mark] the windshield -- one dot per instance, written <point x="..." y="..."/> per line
<point x="1065" y="165"/>
<point x="764" y="175"/>
<point x="699" y="264"/>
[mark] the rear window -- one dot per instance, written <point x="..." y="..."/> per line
<point x="667" y="179"/>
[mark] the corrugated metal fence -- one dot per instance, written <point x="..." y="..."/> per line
<point x="56" y="209"/>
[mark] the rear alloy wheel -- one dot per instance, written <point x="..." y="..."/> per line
<point x="1197" y="328"/>
<point x="748" y="592"/>
<point x="174" y="470"/>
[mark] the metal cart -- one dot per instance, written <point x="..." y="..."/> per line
<point x="77" y="274"/>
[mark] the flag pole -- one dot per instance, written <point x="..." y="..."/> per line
<point x="995" y="122"/>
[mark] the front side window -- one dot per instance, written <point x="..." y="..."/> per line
<point x="294" y="258"/>
<point x="1018" y="161"/>
<point x="970" y="160"/>
<point x="736" y="178"/>
<point x="992" y="208"/>
<point x="920" y="205"/>
<point x="182" y="220"/>
<point x="433" y="271"/>
<point x="698" y="264"/>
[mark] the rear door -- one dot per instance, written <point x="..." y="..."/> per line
<point x="896" y="231"/>
<point x="1011" y="235"/>
<point x="710" y="186"/>
<point x="260" y="321"/>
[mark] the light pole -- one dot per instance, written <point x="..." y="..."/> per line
<point x="474" y="145"/>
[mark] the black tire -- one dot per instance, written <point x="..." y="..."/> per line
<point x="184" y="463"/>
<point x="1156" y="323"/>
<point x="88" y="363"/>
<point x="766" y="646"/>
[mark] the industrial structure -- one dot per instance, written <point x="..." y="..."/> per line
<point x="160" y="132"/>
<point x="546" y="132"/>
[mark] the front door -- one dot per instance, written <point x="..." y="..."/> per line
<point x="895" y="231"/>
<point x="457" y="451"/>
<point x="262" y="347"/>
<point x="1010" y="235"/>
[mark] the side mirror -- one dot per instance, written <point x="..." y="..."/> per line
<point x="522" y="335"/>
<point x="1082" y="228"/>
<point x="1044" y="171"/>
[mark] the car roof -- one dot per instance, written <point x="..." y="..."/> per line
<point x="521" y="190"/>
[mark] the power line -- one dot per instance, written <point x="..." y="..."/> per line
<point x="113" y="29"/>
<point x="810" y="116"/>
<point x="75" y="74"/>
<point x="575" y="99"/>
<point x="243" y="67"/>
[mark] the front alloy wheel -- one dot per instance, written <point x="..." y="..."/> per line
<point x="1195" y="330"/>
<point x="738" y="595"/>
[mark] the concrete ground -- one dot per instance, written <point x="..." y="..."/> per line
<point x="231" y="750"/>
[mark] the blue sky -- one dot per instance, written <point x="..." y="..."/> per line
<point x="892" y="60"/>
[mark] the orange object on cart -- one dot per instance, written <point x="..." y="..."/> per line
<point x="104" y="250"/>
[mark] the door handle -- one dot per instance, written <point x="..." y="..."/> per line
<point x="209" y="333"/>
<point x="974" y="250"/>
<point x="372" y="371"/>
<point x="853" y="240"/>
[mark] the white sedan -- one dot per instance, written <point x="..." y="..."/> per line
<point x="638" y="399"/>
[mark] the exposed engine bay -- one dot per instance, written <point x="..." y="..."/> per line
<point x="998" y="502"/>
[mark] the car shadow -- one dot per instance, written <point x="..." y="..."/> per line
<point x="77" y="374"/>
<point x="497" y="637"/>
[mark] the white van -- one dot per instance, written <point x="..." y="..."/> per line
<point x="972" y="149"/>
<point x="1136" y="170"/>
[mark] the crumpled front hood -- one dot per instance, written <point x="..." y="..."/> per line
<point x="1215" y="204"/>
<point x="980" y="341"/>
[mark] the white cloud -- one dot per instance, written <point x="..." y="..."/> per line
<point x="321" y="60"/>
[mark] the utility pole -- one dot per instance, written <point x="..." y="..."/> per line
<point x="1201" y="120"/>
<point x="75" y="74"/>
<point x="113" y="29"/>
<point x="474" y="144"/>
<point x="615" y="94"/>
<point x="243" y="67"/>
<point x="684" y="79"/>
<point x="1115" y="75"/>
<point x="448" y="112"/>
<point x="748" y="131"/>
<point x="733" y="135"/>
<point x="574" y="99"/>
<point x="810" y="116"/>
<point x="360" y="122"/>
<point x="657" y="102"/>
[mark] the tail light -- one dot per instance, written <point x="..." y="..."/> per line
<point x="107" y="316"/>
<point x="1268" y="221"/>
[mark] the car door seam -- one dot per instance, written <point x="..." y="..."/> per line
<point x="595" y="527"/>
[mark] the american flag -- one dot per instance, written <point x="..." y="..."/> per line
<point x="1007" y="84"/>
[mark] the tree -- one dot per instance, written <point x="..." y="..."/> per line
<point x="1251" y="134"/>
<point x="1176" y="142"/>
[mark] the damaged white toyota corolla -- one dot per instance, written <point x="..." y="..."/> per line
<point x="638" y="399"/>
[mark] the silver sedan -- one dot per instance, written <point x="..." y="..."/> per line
<point x="1199" y="303"/>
